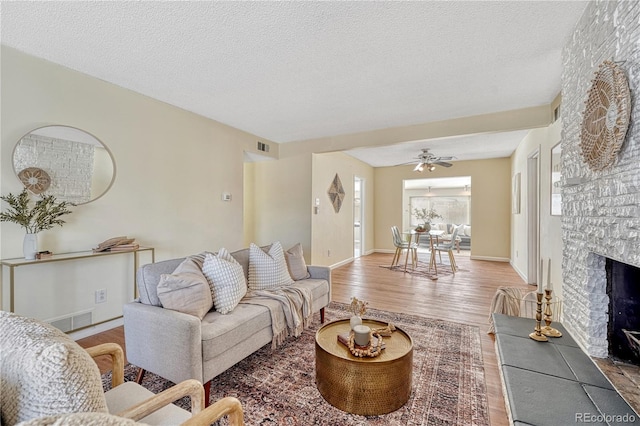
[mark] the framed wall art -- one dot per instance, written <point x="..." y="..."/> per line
<point x="556" y="175"/>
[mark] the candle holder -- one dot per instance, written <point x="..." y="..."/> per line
<point x="537" y="334"/>
<point x="547" y="330"/>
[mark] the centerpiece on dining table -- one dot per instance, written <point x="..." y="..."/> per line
<point x="426" y="216"/>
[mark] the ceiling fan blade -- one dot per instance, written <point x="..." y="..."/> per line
<point x="443" y="164"/>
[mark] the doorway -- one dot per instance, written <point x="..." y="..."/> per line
<point x="533" y="217"/>
<point x="358" y="216"/>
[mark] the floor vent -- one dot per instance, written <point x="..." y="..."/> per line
<point x="73" y="321"/>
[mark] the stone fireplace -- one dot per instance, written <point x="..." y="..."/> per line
<point x="600" y="209"/>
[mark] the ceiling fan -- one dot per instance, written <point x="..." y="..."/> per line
<point x="429" y="161"/>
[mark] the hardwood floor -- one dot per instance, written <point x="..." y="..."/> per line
<point x="465" y="298"/>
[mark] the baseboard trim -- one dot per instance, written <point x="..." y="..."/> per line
<point x="518" y="271"/>
<point x="95" y="329"/>
<point x="342" y="263"/>
<point x="390" y="251"/>
<point x="491" y="258"/>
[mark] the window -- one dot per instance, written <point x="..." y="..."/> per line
<point x="453" y="209"/>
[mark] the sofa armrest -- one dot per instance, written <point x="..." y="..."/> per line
<point x="165" y="342"/>
<point x="320" y="272"/>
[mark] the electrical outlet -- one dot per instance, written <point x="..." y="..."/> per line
<point x="101" y="295"/>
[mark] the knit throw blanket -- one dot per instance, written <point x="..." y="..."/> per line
<point x="505" y="301"/>
<point x="290" y="307"/>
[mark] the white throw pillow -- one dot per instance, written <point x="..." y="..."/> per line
<point x="467" y="230"/>
<point x="185" y="292"/>
<point x="44" y="372"/>
<point x="296" y="264"/>
<point x="267" y="270"/>
<point x="226" y="279"/>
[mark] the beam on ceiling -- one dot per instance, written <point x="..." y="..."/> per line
<point x="520" y="119"/>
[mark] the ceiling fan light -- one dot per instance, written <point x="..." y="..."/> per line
<point x="431" y="167"/>
<point x="419" y="168"/>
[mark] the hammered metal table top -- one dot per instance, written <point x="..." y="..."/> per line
<point x="365" y="386"/>
<point x="398" y="345"/>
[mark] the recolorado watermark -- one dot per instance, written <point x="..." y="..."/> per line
<point x="605" y="418"/>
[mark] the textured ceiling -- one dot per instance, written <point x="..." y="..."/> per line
<point x="290" y="71"/>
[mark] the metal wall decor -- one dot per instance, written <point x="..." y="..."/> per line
<point x="606" y="117"/>
<point x="336" y="193"/>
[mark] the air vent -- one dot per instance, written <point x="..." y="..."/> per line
<point x="263" y="147"/>
<point x="556" y="113"/>
<point x="73" y="321"/>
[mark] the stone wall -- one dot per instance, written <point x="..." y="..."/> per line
<point x="68" y="163"/>
<point x="601" y="215"/>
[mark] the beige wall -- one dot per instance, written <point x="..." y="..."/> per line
<point x="541" y="141"/>
<point x="172" y="166"/>
<point x="332" y="235"/>
<point x="490" y="204"/>
<point x="282" y="202"/>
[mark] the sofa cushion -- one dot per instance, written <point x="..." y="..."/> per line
<point x="267" y="270"/>
<point x="226" y="279"/>
<point x="44" y="372"/>
<point x="319" y="288"/>
<point x="186" y="292"/>
<point x="220" y="333"/>
<point x="296" y="264"/>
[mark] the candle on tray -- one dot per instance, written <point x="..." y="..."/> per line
<point x="361" y="335"/>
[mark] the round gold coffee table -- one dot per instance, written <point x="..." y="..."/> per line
<point x="365" y="386"/>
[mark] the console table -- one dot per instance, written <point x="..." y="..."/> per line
<point x="12" y="264"/>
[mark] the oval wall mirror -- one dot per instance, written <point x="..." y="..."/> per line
<point x="66" y="162"/>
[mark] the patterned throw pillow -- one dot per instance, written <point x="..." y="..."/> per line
<point x="296" y="264"/>
<point x="226" y="279"/>
<point x="44" y="372"/>
<point x="185" y="292"/>
<point x="267" y="270"/>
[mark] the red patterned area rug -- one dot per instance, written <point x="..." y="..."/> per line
<point x="277" y="387"/>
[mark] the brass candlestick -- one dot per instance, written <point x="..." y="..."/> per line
<point x="548" y="317"/>
<point x="537" y="334"/>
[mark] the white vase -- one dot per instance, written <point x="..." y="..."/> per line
<point x="355" y="320"/>
<point x="30" y="246"/>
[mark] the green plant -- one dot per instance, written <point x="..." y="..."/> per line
<point x="34" y="217"/>
<point x="424" y="214"/>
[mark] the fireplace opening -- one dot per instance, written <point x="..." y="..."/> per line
<point x="623" y="289"/>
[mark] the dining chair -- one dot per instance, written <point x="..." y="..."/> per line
<point x="445" y="247"/>
<point x="401" y="245"/>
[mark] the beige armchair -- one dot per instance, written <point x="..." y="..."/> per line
<point x="47" y="378"/>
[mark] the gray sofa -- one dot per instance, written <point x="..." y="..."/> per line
<point x="179" y="346"/>
<point x="464" y="233"/>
